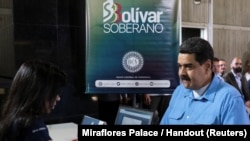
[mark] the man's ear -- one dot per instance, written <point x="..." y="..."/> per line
<point x="208" y="65"/>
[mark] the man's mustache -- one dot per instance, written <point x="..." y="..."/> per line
<point x="185" y="77"/>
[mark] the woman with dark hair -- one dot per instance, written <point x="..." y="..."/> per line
<point x="33" y="94"/>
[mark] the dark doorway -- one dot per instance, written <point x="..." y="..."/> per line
<point x="190" y="32"/>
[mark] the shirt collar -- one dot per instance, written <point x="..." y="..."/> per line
<point x="200" y="92"/>
<point x="209" y="92"/>
<point x="236" y="75"/>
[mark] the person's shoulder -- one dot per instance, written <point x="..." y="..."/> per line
<point x="227" y="74"/>
<point x="229" y="89"/>
<point x="38" y="130"/>
<point x="180" y="89"/>
<point x="39" y="122"/>
<point x="37" y="125"/>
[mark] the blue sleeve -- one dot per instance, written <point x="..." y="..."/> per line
<point x="164" y="119"/>
<point x="235" y="112"/>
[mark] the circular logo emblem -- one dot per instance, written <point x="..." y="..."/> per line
<point x="132" y="61"/>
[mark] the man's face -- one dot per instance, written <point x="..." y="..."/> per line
<point x="223" y="66"/>
<point x="236" y="65"/>
<point x="216" y="67"/>
<point x="191" y="73"/>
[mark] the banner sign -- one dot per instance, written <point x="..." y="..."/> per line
<point x="132" y="46"/>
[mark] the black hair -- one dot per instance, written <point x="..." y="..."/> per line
<point x="200" y="47"/>
<point x="35" y="82"/>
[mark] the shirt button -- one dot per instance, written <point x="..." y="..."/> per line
<point x="187" y="116"/>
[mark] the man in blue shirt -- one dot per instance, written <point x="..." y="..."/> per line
<point x="201" y="97"/>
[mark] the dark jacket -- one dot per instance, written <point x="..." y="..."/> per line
<point x="229" y="78"/>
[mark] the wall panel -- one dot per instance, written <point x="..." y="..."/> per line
<point x="194" y="13"/>
<point x="6" y="39"/>
<point x="231" y="25"/>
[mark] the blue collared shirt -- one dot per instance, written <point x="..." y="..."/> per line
<point x="221" y="104"/>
